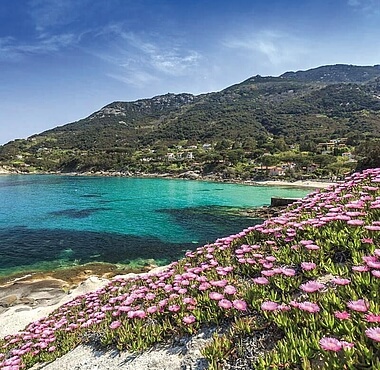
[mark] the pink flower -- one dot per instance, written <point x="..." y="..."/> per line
<point x="140" y="314"/>
<point x="342" y="315"/>
<point x="370" y="317"/>
<point x="268" y="272"/>
<point x="229" y="289"/>
<point x="174" y="308"/>
<point x="306" y="242"/>
<point x="288" y="271"/>
<point x="312" y="247"/>
<point x="204" y="286"/>
<point x="330" y="344"/>
<point x="115" y="324"/>
<point x="307" y="266"/>
<point x="225" y="303"/>
<point x="346" y="345"/>
<point x="152" y="309"/>
<point x="340" y="281"/>
<point x="269" y="306"/>
<point x="309" y="307"/>
<point x="373" y="333"/>
<point x="372" y="227"/>
<point x="190" y="300"/>
<point x="189" y="319"/>
<point x="356" y="223"/>
<point x="261" y="281"/>
<point x="360" y="305"/>
<point x="219" y="283"/>
<point x="270" y="258"/>
<point x="284" y="307"/>
<point x="368" y="259"/>
<point x="311" y="286"/>
<point x="376" y="273"/>
<point x="374" y="264"/>
<point x="360" y="268"/>
<point x="239" y="304"/>
<point x="367" y="240"/>
<point x="216" y="296"/>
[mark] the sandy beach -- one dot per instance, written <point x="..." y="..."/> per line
<point x="295" y="184"/>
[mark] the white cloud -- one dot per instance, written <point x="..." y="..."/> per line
<point x="369" y="7"/>
<point x="11" y="49"/>
<point x="276" y="47"/>
<point x="139" y="59"/>
<point x="164" y="57"/>
<point x="134" y="78"/>
<point x="52" y="13"/>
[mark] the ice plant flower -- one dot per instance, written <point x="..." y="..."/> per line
<point x="174" y="308"/>
<point x="342" y="315"/>
<point x="309" y="307"/>
<point x="216" y="296"/>
<point x="261" y="280"/>
<point x="360" y="268"/>
<point x="340" y="281"/>
<point x="189" y="319"/>
<point x="311" y="286"/>
<point x="225" y="303"/>
<point x="152" y="309"/>
<point x="360" y="305"/>
<point x="330" y="344"/>
<point x="376" y="273"/>
<point x="288" y="271"/>
<point x="115" y="324"/>
<point x="269" y="306"/>
<point x="239" y="305"/>
<point x="229" y="289"/>
<point x="308" y="266"/>
<point x="312" y="247"/>
<point x="370" y="317"/>
<point x="373" y="333"/>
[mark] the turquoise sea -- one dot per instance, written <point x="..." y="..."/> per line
<point x="50" y="221"/>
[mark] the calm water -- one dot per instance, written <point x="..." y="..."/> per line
<point x="48" y="221"/>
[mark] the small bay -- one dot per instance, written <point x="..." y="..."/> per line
<point x="52" y="221"/>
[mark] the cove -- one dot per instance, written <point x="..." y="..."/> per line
<point x="52" y="221"/>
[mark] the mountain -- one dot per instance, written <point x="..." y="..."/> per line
<point x="300" y="107"/>
<point x="336" y="74"/>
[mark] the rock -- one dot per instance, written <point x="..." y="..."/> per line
<point x="191" y="175"/>
<point x="8" y="300"/>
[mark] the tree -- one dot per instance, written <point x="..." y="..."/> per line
<point x="268" y="160"/>
<point x="370" y="151"/>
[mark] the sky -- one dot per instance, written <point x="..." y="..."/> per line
<point x="61" y="60"/>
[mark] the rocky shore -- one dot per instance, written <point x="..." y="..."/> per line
<point x="29" y="299"/>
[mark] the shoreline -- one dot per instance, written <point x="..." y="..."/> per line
<point x="189" y="175"/>
<point x="34" y="296"/>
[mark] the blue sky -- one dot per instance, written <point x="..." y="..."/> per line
<point x="61" y="60"/>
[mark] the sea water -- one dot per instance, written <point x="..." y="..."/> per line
<point x="50" y="221"/>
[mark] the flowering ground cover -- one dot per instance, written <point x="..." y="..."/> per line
<point x="311" y="276"/>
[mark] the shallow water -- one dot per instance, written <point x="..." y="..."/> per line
<point x="50" y="221"/>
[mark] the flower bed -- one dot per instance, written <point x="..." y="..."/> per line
<point x="311" y="275"/>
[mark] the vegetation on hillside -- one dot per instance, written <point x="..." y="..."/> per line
<point x="242" y="123"/>
<point x="300" y="291"/>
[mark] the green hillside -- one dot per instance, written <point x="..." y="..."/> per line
<point x="298" y="109"/>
